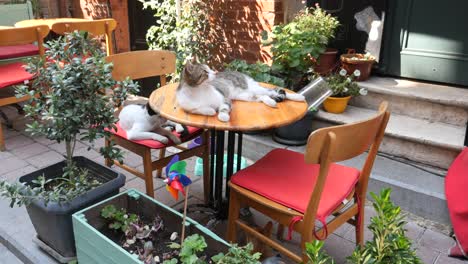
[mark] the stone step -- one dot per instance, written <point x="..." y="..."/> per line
<point x="436" y="103"/>
<point x="432" y="143"/>
<point x="416" y="188"/>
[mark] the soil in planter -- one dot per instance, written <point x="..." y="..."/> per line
<point x="147" y="213"/>
<point x="160" y="240"/>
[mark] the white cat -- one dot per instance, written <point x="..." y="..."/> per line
<point x="141" y="122"/>
<point x="202" y="91"/>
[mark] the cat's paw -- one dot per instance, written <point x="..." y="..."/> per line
<point x="161" y="139"/>
<point x="176" y="140"/>
<point x="269" y="101"/>
<point x="208" y="112"/>
<point x="223" y="117"/>
<point x="179" y="128"/>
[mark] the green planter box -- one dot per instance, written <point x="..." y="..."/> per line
<point x="94" y="247"/>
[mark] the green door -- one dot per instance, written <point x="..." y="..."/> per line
<point x="428" y="40"/>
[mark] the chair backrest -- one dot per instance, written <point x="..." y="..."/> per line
<point x="143" y="64"/>
<point x="95" y="27"/>
<point x="24" y="35"/>
<point x="337" y="143"/>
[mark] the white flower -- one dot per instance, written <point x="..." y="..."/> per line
<point x="357" y="73"/>
<point x="343" y="72"/>
<point x="125" y="216"/>
<point x="363" y="91"/>
<point x="345" y="90"/>
<point x="348" y="79"/>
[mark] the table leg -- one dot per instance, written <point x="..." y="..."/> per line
<point x="219" y="170"/>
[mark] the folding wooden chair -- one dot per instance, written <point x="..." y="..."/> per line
<point x="143" y="64"/>
<point x="13" y="73"/>
<point x="95" y="27"/>
<point x="296" y="190"/>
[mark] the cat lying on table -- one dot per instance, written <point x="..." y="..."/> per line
<point x="141" y="122"/>
<point x="202" y="91"/>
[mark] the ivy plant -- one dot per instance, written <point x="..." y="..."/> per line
<point x="68" y="103"/>
<point x="187" y="34"/>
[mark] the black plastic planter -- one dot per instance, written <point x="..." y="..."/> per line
<point x="297" y="133"/>
<point x="53" y="223"/>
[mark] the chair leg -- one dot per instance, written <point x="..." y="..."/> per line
<point x="108" y="161"/>
<point x="2" y="139"/>
<point x="234" y="210"/>
<point x="148" y="171"/>
<point x="162" y="154"/>
<point x="359" y="228"/>
<point x="306" y="237"/>
<point x="206" y="166"/>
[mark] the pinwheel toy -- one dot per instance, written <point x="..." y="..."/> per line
<point x="176" y="179"/>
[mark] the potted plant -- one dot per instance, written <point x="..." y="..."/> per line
<point x="357" y="61"/>
<point x="134" y="228"/>
<point x="344" y="87"/>
<point x="297" y="45"/>
<point x="69" y="103"/>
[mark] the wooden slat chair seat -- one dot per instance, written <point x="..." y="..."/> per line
<point x="297" y="189"/>
<point x="95" y="27"/>
<point x="14" y="73"/>
<point x="143" y="64"/>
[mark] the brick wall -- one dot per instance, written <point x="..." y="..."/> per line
<point x="97" y="9"/>
<point x="241" y="23"/>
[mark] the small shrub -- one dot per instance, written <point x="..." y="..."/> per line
<point x="259" y="71"/>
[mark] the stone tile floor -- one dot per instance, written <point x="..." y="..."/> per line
<point x="25" y="154"/>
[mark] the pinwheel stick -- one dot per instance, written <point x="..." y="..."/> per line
<point x="185" y="215"/>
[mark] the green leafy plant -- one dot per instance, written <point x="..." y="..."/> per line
<point x="316" y="255"/>
<point x="186" y="35"/>
<point x="195" y="245"/>
<point x="259" y="71"/>
<point x="390" y="243"/>
<point x="343" y="84"/>
<point x="119" y="218"/>
<point x="297" y="44"/>
<point x="69" y="103"/>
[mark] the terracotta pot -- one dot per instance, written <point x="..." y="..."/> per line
<point x="336" y="105"/>
<point x="350" y="65"/>
<point x="326" y="62"/>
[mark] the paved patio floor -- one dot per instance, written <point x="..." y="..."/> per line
<point x="25" y="154"/>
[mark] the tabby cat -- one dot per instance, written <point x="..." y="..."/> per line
<point x="202" y="91"/>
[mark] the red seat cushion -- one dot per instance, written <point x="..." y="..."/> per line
<point x="13" y="73"/>
<point x="283" y="176"/>
<point x="193" y="132"/>
<point x="10" y="52"/>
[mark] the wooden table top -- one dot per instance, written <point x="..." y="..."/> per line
<point x="245" y="116"/>
<point x="48" y="21"/>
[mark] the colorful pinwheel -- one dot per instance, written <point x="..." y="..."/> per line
<point x="176" y="179"/>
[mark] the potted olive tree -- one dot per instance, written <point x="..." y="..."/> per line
<point x="69" y="103"/>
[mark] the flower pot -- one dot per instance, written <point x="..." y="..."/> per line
<point x="326" y="62"/>
<point x="350" y="64"/>
<point x="93" y="246"/>
<point x="297" y="133"/>
<point x="53" y="222"/>
<point x="336" y="105"/>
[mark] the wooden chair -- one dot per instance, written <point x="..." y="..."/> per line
<point x="143" y="64"/>
<point x="95" y="27"/>
<point x="13" y="73"/>
<point x="296" y="189"/>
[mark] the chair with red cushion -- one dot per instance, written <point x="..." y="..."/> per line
<point x="297" y="189"/>
<point x="143" y="64"/>
<point x="14" y="73"/>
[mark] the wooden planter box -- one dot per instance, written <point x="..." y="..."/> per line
<point x="94" y="247"/>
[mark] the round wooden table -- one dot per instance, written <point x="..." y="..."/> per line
<point x="48" y="21"/>
<point x="245" y="116"/>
